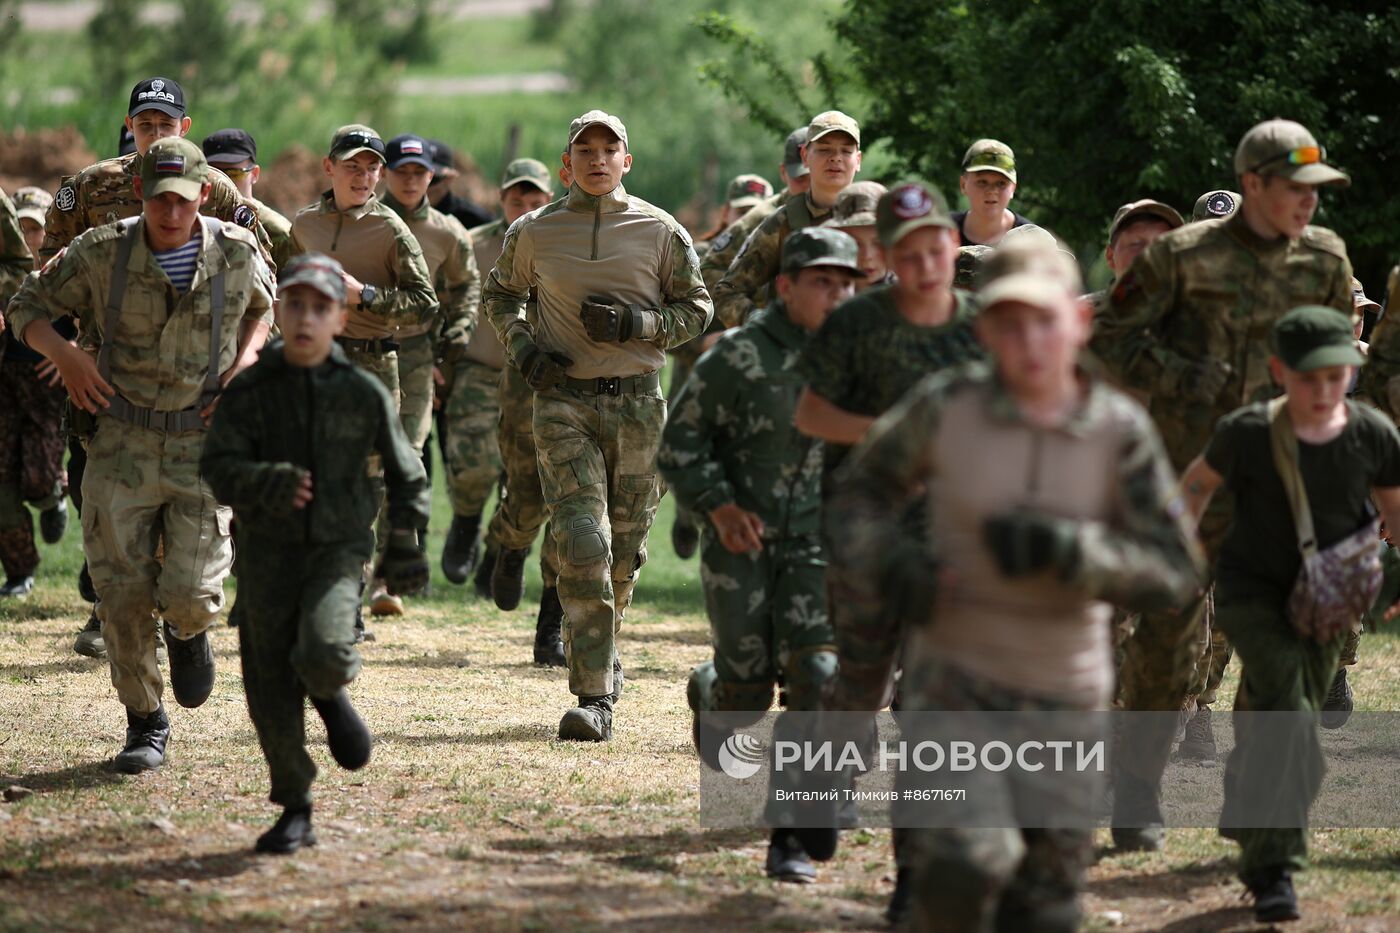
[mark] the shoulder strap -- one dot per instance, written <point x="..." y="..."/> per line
<point x="1285" y="448"/>
<point x="116" y="292"/>
<point x="215" y="227"/>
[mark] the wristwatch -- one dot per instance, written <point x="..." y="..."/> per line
<point x="367" y="294"/>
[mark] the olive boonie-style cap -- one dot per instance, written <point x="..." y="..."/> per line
<point x="1315" y="336"/>
<point x="350" y="141"/>
<point x="747" y="190"/>
<point x="173" y="164"/>
<point x="856" y="204"/>
<point x="1215" y="205"/>
<point x="317" y="270"/>
<point x="157" y="94"/>
<point x="595" y="118"/>
<point x="820" y="246"/>
<point x="1287" y="149"/>
<point x="908" y="207"/>
<point x="528" y="172"/>
<point x="792" y="153"/>
<point x="832" y="121"/>
<point x="1137" y="210"/>
<point x="990" y="155"/>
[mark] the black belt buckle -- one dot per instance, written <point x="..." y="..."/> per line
<point x="610" y="385"/>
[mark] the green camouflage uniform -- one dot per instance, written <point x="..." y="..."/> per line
<point x="597" y="435"/>
<point x="279" y="232"/>
<point x="730" y="439"/>
<point x="522" y="509"/>
<point x="1207" y="291"/>
<point x="720" y="252"/>
<point x="745" y="286"/>
<point x="1104" y="473"/>
<point x="143" y="484"/>
<point x="299" y="569"/>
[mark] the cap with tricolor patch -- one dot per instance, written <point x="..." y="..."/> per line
<point x="527" y="172"/>
<point x="408" y="149"/>
<point x="747" y="190"/>
<point x="173" y="164"/>
<point x="316" y="270"/>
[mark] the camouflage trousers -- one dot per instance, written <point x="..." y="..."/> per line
<point x="597" y="462"/>
<point x="768" y="623"/>
<point x="521" y="511"/>
<point x="31" y="461"/>
<point x="682" y="362"/>
<point x="296" y="633"/>
<point x="981" y="879"/>
<point x="471" y="418"/>
<point x="385" y="368"/>
<point x="416" y="388"/>
<point x="141" y="489"/>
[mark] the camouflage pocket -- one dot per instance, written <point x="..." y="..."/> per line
<point x="635" y="498"/>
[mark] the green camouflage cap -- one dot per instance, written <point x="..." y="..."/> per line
<point x="350" y="141"/>
<point x="173" y="164"/>
<point x="792" y="153"/>
<point x="855" y="205"/>
<point x="1315" y="336"/>
<point x="1286" y="149"/>
<point x="317" y="270"/>
<point x="908" y="207"/>
<point x="1031" y="269"/>
<point x="1215" y="205"/>
<point x="819" y="246"/>
<point x="32" y="203"/>
<point x="528" y="172"/>
<point x="595" y="118"/>
<point x="748" y="190"/>
<point x="969" y="263"/>
<point x="990" y="155"/>
<point x="1137" y="210"/>
<point x="832" y="121"/>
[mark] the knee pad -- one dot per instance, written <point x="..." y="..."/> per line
<point x="584" y="541"/>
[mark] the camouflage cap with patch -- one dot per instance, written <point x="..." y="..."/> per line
<point x="316" y="270"/>
<point x="595" y="118"/>
<point x="173" y="164"/>
<point x="1138" y="210"/>
<point x="832" y="121"/>
<point x="820" y="246"/>
<point x="908" y="207"/>
<point x="856" y="204"/>
<point x="349" y="141"/>
<point x="528" y="172"/>
<point x="32" y="203"/>
<point x="990" y="155"/>
<point x="1214" y="205"/>
<point x="792" y="153"/>
<point x="747" y="190"/>
<point x="1286" y="149"/>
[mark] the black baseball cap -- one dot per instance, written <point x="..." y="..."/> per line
<point x="226" y="147"/>
<point x="408" y="149"/>
<point x="160" y="94"/>
<point x="442" y="156"/>
<point x="1313" y="337"/>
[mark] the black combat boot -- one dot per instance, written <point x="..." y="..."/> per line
<point x="590" y="721"/>
<point x="1336" y="709"/>
<point x="53" y="522"/>
<point x="549" y="643"/>
<point x="291" y="831"/>
<point x="346" y="733"/>
<point x="787" y="860"/>
<point x="17" y="586"/>
<point x="191" y="668"/>
<point x="1274" y="898"/>
<point x="484" y="570"/>
<point x="898" y="907"/>
<point x="508" y="577"/>
<point x="462" y="548"/>
<point x="146" y="737"/>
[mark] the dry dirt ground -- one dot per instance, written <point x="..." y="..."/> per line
<point x="471" y="815"/>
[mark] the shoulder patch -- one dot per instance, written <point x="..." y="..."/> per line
<point x="66" y="199"/>
<point x="245" y="216"/>
<point x="1125" y="286"/>
<point x="721" y="241"/>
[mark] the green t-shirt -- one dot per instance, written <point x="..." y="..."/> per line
<point x="1259" y="557"/>
<point x="866" y="354"/>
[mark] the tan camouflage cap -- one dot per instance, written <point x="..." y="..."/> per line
<point x="748" y="190"/>
<point x="1359" y="301"/>
<point x="855" y="205"/>
<point x="819" y="246"/>
<point x="908" y="207"/>
<point x="595" y="118"/>
<point x="1031" y="270"/>
<point x="832" y="121"/>
<point x="528" y="172"/>
<point x="173" y="164"/>
<point x="1137" y="210"/>
<point x="317" y="270"/>
<point x="349" y="141"/>
<point x="32" y="203"/>
<point x="1214" y="205"/>
<point x="792" y="153"/>
<point x="1286" y="149"/>
<point x="990" y="155"/>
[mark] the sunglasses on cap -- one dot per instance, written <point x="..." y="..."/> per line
<point x="360" y="141"/>
<point x="1303" y="155"/>
<point x="991" y="160"/>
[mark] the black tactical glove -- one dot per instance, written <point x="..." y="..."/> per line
<point x="1026" y="541"/>
<point x="277" y="485"/>
<point x="404" y="567"/>
<point x="544" y="370"/>
<point x="609" y="321"/>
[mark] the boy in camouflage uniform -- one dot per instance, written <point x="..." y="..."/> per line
<point x="1046" y="492"/>
<point x="617" y="284"/>
<point x="288" y="451"/>
<point x="731" y="454"/>
<point x="172" y="305"/>
<point x="235" y="153"/>
<point x="854" y="215"/>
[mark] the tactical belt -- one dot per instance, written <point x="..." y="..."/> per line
<point x="381" y="346"/>
<point x="186" y="419"/>
<point x="615" y="385"/>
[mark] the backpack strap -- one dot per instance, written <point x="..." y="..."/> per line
<point x="217" y="293"/>
<point x="1285" y="449"/>
<point x="116" y="292"/>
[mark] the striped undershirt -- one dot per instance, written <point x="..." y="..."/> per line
<point x="179" y="263"/>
